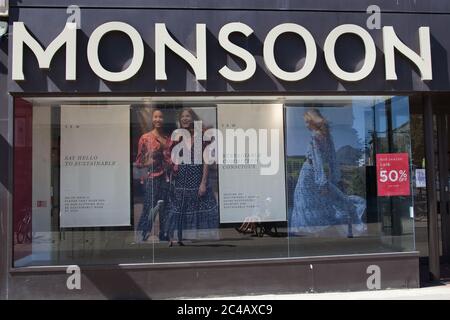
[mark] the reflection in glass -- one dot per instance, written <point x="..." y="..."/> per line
<point x="319" y="202"/>
<point x="333" y="204"/>
<point x="328" y="160"/>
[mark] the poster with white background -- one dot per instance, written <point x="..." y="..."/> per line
<point x="95" y="166"/>
<point x="251" y="188"/>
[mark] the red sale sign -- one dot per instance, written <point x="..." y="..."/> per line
<point x="393" y="174"/>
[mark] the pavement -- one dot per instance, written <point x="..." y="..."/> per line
<point x="435" y="292"/>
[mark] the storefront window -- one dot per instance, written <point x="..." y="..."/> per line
<point x="419" y="175"/>
<point x="336" y="205"/>
<point x="136" y="180"/>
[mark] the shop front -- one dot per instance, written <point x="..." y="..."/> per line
<point x="157" y="151"/>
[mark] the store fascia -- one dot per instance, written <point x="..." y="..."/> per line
<point x="198" y="61"/>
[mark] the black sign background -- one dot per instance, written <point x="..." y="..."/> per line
<point x="46" y="23"/>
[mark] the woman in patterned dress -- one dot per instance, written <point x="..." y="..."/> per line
<point x="319" y="203"/>
<point x="192" y="206"/>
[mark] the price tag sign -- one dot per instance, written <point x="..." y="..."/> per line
<point x="393" y="174"/>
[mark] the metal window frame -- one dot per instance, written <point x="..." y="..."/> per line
<point x="266" y="97"/>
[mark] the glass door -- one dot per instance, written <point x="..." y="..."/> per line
<point x="443" y="141"/>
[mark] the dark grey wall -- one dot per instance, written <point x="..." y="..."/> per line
<point x="47" y="23"/>
<point x="5" y="164"/>
<point x="438" y="6"/>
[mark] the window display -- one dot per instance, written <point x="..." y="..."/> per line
<point x="320" y="201"/>
<point x="180" y="194"/>
<point x="135" y="180"/>
<point x="95" y="174"/>
<point x="253" y="147"/>
<point x="333" y="149"/>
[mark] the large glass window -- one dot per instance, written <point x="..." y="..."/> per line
<point x="140" y="180"/>
<point x="340" y="200"/>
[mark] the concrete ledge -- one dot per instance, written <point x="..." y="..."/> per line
<point x="284" y="276"/>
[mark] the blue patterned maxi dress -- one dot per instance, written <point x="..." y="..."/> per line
<point x="193" y="217"/>
<point x="318" y="202"/>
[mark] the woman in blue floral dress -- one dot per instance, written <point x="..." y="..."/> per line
<point x="193" y="210"/>
<point x="319" y="203"/>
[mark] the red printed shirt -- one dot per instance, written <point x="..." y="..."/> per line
<point x="150" y="147"/>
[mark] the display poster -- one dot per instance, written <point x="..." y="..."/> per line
<point x="326" y="174"/>
<point x="173" y="200"/>
<point x="95" y="166"/>
<point x="251" y="178"/>
<point x="393" y="174"/>
<point x="421" y="181"/>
